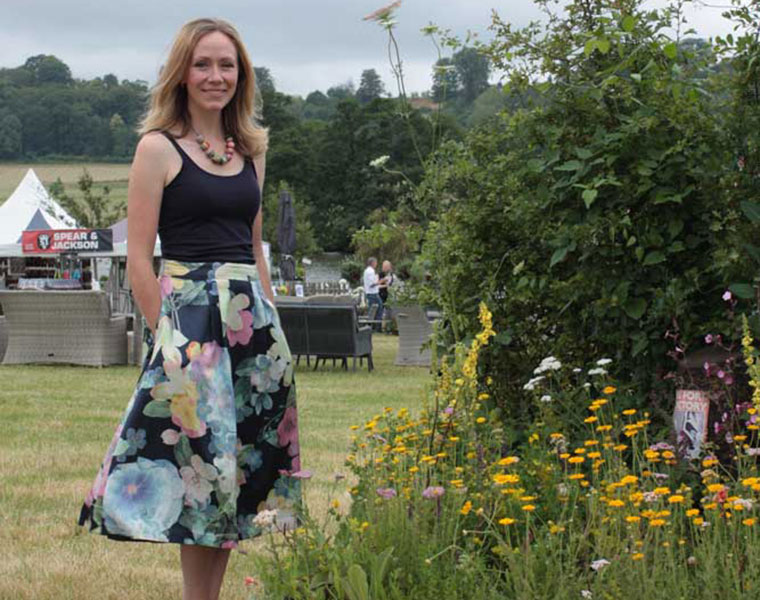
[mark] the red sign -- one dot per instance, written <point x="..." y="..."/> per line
<point x="59" y="241"/>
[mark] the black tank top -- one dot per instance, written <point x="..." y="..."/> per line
<point x="206" y="217"/>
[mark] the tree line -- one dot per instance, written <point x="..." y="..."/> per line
<point x="321" y="146"/>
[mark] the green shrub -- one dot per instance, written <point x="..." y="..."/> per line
<point x="603" y="216"/>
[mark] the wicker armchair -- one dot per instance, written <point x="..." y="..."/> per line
<point x="414" y="330"/>
<point x="62" y="327"/>
<point x="3" y="337"/>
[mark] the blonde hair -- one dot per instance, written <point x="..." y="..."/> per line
<point x="168" y="98"/>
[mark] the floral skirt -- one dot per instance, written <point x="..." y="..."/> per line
<point x="210" y="435"/>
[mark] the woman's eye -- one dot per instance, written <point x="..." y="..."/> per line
<point x="200" y="64"/>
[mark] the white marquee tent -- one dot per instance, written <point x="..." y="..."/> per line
<point x="30" y="206"/>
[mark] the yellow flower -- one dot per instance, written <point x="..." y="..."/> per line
<point x="620" y="447"/>
<point x="506" y="521"/>
<point x="610" y="389"/>
<point x="749" y="522"/>
<point x="698" y="521"/>
<point x="575" y="460"/>
<point x="675" y="499"/>
<point x="630" y="411"/>
<point x="591" y="419"/>
<point x="692" y="512"/>
<point x="714" y="488"/>
<point x="529" y="508"/>
<point x="590" y="443"/>
<point x="335" y="504"/>
<point x="354" y="427"/>
<point x="603" y="428"/>
<point x="637" y="556"/>
<point x="629" y="479"/>
<point x="580" y="450"/>
<point x="657" y="522"/>
<point x="616" y="503"/>
<point x="501" y="479"/>
<point x="508" y="460"/>
<point x="466" y="508"/>
<point x="661" y="491"/>
<point x="710" y="506"/>
<point x="709" y="462"/>
<point x="527" y="498"/>
<point x="633" y="518"/>
<point x="413" y="469"/>
<point x="480" y="420"/>
<point x="564" y="455"/>
<point x="576" y="476"/>
<point x="594" y="454"/>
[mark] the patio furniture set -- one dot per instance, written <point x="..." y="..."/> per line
<point x="78" y="327"/>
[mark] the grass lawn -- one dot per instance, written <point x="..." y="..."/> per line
<point x="55" y="424"/>
<point x="114" y="175"/>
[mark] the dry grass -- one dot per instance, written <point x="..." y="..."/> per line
<point x="56" y="423"/>
<point x="114" y="175"/>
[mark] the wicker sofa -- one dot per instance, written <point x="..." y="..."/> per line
<point x="325" y="329"/>
<point x="73" y="327"/>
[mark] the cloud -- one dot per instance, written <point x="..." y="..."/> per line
<point x="307" y="44"/>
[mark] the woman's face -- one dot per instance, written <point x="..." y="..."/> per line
<point x="212" y="75"/>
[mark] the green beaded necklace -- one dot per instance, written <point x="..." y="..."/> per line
<point x="219" y="159"/>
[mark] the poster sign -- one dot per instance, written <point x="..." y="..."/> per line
<point x="59" y="241"/>
<point x="690" y="419"/>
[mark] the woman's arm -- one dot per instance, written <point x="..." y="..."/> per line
<point x="146" y="183"/>
<point x="258" y="248"/>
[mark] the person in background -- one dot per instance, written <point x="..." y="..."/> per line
<point x="389" y="277"/>
<point x="372" y="283"/>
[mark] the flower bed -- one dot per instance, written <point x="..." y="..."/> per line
<point x="444" y="507"/>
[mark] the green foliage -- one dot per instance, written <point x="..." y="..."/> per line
<point x="306" y="243"/>
<point x="388" y="237"/>
<point x="370" y="87"/>
<point x="56" y="114"/>
<point x="604" y="214"/>
<point x="351" y="270"/>
<point x="89" y="209"/>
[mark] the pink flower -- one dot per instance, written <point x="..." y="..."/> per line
<point x="206" y="355"/>
<point x="706" y="367"/>
<point x="165" y="284"/>
<point x="721" y="374"/>
<point x="287" y="431"/>
<point x="383" y="13"/>
<point x="434" y="491"/>
<point x="729" y="380"/>
<point x="709" y="338"/>
<point x="386" y="493"/>
<point x="727" y="295"/>
<point x="243" y="335"/>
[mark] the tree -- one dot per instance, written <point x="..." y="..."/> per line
<point x="46" y="68"/>
<point x="341" y="91"/>
<point x="370" y="87"/>
<point x="473" y="69"/>
<point x="264" y="80"/>
<point x="90" y="210"/>
<point x="446" y="82"/>
<point x="10" y="135"/>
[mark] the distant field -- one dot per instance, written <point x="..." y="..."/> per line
<point x="113" y="175"/>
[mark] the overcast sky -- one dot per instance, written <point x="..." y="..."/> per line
<point x="306" y="44"/>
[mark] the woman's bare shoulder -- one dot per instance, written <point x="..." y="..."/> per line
<point x="153" y="145"/>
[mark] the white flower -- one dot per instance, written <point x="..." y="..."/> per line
<point x="587" y="385"/>
<point x="546" y="398"/>
<point x="586" y="594"/>
<point x="265" y="518"/>
<point x="531" y="385"/>
<point x="599" y="563"/>
<point x="550" y="363"/>
<point x="197" y="480"/>
<point x="603" y="362"/>
<point x="746" y="503"/>
<point x="577" y="370"/>
<point x="379" y="162"/>
<point x="753" y="451"/>
<point x="597" y="371"/>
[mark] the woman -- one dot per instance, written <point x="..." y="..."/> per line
<point x="208" y="446"/>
